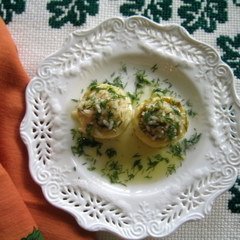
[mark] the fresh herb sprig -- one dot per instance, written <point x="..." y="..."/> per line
<point x="141" y="81"/>
<point x="154" y="161"/>
<point x="81" y="142"/>
<point x="154" y="67"/>
<point x="124" y="68"/>
<point x="171" y="168"/>
<point x="179" y="149"/>
<point x="35" y="235"/>
<point x="190" y="111"/>
<point x="93" y="85"/>
<point x="117" y="82"/>
<point x="193" y="140"/>
<point x="135" y="97"/>
<point x="137" y="167"/>
<point x="113" y="170"/>
<point x="74" y="100"/>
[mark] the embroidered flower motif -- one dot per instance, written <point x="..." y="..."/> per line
<point x="231" y="54"/>
<point x="203" y="14"/>
<point x="9" y="7"/>
<point x="234" y="202"/>
<point x="237" y="2"/>
<point x="156" y="10"/>
<point x="72" y="11"/>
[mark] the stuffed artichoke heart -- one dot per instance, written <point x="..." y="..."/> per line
<point x="104" y="111"/>
<point x="160" y="121"/>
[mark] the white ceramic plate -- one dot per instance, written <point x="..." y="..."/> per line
<point x="146" y="209"/>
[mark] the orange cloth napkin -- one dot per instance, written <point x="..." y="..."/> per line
<point x="22" y="205"/>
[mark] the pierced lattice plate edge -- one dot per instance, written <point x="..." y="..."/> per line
<point x="143" y="228"/>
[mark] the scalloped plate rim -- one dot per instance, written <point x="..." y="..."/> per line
<point x="27" y="118"/>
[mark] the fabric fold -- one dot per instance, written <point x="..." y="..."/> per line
<point x="22" y="204"/>
<point x="16" y="220"/>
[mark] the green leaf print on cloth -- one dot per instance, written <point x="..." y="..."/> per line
<point x="231" y="52"/>
<point x="234" y="202"/>
<point x="237" y="2"/>
<point x="156" y="10"/>
<point x="35" y="235"/>
<point x="203" y="14"/>
<point x="9" y="7"/>
<point x="72" y="11"/>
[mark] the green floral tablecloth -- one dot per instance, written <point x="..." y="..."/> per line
<point x="39" y="27"/>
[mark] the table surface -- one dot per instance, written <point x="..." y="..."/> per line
<point x="40" y="27"/>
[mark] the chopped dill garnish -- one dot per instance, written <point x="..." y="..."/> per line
<point x="161" y="159"/>
<point x="136" y="155"/>
<point x="114" y="94"/>
<point x="113" y="170"/>
<point x="124" y="68"/>
<point x="74" y="133"/>
<point x="93" y="85"/>
<point x="191" y="113"/>
<point x="151" y="164"/>
<point x="112" y="75"/>
<point x="176" y="150"/>
<point x="147" y="115"/>
<point x="91" y="168"/>
<point x="148" y="177"/>
<point x="130" y="176"/>
<point x="111" y="152"/>
<point x="137" y="164"/>
<point x="179" y="149"/>
<point x="110" y="164"/>
<point x="176" y="110"/>
<point x="188" y="143"/>
<point x="117" y="82"/>
<point x="141" y="79"/>
<point x="162" y="91"/>
<point x="82" y="142"/>
<point x="172" y="130"/>
<point x="171" y="168"/>
<point x="89" y="130"/>
<point x="155" y="83"/>
<point x="168" y="83"/>
<point x="134" y="97"/>
<point x="91" y="163"/>
<point x="154" y="161"/>
<point x="154" y="67"/>
<point x="74" y="100"/>
<point x="103" y="103"/>
<point x="188" y="104"/>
